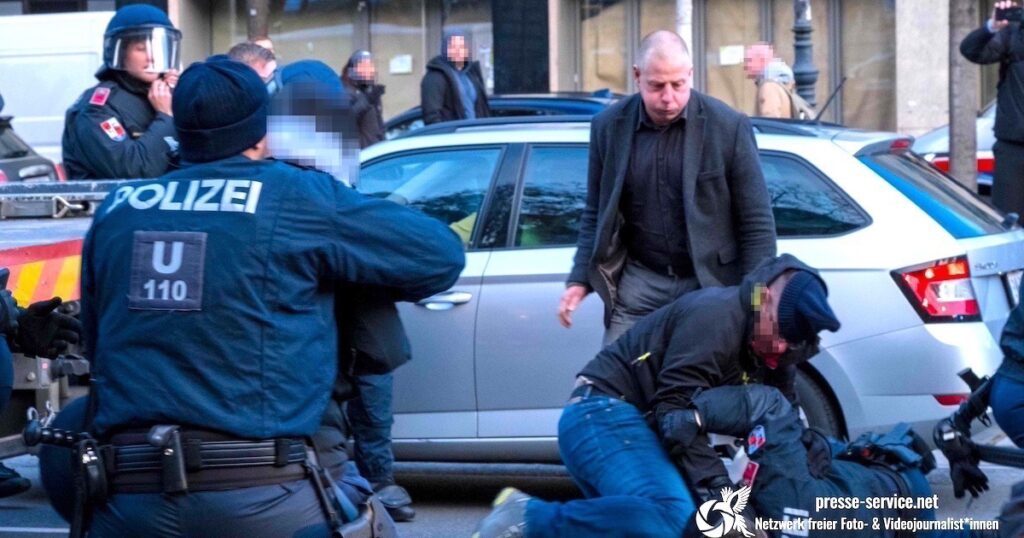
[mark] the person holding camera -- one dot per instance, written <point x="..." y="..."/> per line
<point x="123" y="126"/>
<point x="1000" y="41"/>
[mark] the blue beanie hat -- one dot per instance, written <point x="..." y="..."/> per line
<point x="220" y="110"/>
<point x="310" y="88"/>
<point x="804" y="309"/>
<point x="311" y="72"/>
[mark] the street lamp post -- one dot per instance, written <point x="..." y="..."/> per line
<point x="804" y="72"/>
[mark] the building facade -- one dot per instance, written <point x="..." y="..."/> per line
<point x="892" y="54"/>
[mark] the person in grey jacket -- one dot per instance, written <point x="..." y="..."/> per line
<point x="676" y="199"/>
<point x="453" y="87"/>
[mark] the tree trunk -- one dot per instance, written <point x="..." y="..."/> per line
<point x="258" y="12"/>
<point x="963" y="96"/>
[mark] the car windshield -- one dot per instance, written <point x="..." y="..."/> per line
<point x="952" y="205"/>
<point x="11" y="147"/>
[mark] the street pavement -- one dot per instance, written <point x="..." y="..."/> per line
<point x="450" y="506"/>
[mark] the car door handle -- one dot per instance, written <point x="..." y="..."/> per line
<point x="446" y="300"/>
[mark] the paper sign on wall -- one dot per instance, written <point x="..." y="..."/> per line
<point x="400" y="65"/>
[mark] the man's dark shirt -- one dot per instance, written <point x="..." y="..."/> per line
<point x="652" y="197"/>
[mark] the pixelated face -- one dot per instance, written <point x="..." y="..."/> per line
<point x="458" y="50"/>
<point x="138" y="60"/>
<point x="766" y="342"/>
<point x="756" y="58"/>
<point x="664" y="83"/>
<point x="365" y="70"/>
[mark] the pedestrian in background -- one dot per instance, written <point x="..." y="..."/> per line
<point x="1000" y="41"/>
<point x="776" y="97"/>
<point x="123" y="126"/>
<point x="676" y="199"/>
<point x="360" y="79"/>
<point x="453" y="86"/>
<point x="261" y="59"/>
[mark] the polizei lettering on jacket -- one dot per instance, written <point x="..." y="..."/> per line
<point x="229" y="195"/>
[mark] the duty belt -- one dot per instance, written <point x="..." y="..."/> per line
<point x="200" y="461"/>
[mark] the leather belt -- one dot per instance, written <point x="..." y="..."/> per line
<point x="210" y="464"/>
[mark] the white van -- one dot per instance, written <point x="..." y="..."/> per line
<point x="46" y="62"/>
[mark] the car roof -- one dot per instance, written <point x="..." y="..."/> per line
<point x="576" y="129"/>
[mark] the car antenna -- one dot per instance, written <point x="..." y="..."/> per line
<point x="817" y="119"/>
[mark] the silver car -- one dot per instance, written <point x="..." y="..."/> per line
<point x="921" y="272"/>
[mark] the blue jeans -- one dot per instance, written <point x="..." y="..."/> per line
<point x="1007" y="401"/>
<point x="631" y="486"/>
<point x="371" y="418"/>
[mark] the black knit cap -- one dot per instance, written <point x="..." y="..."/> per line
<point x="220" y="110"/>
<point x="804" y="309"/>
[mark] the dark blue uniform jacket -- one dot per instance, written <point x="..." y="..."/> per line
<point x="208" y="295"/>
<point x="113" y="132"/>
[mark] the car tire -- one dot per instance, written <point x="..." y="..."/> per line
<point x="817" y="408"/>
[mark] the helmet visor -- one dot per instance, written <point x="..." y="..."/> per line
<point x="150" y="50"/>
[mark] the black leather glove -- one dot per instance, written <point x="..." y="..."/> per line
<point x="679" y="428"/>
<point x="44" y="332"/>
<point x="963" y="462"/>
<point x="8" y="306"/>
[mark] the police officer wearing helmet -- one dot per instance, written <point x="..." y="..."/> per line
<point x="122" y="127"/>
<point x="632" y="402"/>
<point x="207" y="304"/>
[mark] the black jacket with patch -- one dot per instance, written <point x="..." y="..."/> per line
<point x="698" y="341"/>
<point x="113" y="132"/>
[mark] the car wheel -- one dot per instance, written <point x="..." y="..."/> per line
<point x="816" y="408"/>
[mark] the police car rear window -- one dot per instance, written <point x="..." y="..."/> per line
<point x="11" y="147"/>
<point x="959" y="211"/>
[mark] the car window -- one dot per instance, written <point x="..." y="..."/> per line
<point x="448" y="185"/>
<point x="804" y="202"/>
<point x="11" y="147"/>
<point x="959" y="211"/>
<point x="504" y="112"/>
<point x="554" y="194"/>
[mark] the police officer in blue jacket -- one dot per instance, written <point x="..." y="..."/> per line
<point x="122" y="127"/>
<point x="207" y="305"/>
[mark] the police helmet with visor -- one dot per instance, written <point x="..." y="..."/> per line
<point x="142" y="26"/>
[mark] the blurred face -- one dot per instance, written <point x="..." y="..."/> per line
<point x="457" y="51"/>
<point x="766" y="342"/>
<point x="756" y="58"/>
<point x="365" y="70"/>
<point x="138" y="61"/>
<point x="664" y="83"/>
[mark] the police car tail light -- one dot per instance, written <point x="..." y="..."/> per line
<point x="3" y="177"/>
<point x="940" y="291"/>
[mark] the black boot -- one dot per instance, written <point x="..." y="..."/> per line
<point x="397" y="501"/>
<point x="12" y="483"/>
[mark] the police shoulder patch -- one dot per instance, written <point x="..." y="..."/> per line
<point x="100" y="96"/>
<point x="113" y="129"/>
